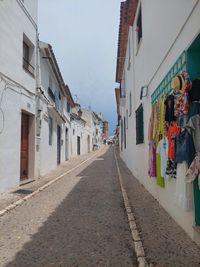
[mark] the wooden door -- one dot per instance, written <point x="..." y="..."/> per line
<point x="24" y="146"/>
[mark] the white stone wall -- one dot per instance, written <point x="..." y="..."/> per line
<point x="164" y="38"/>
<point x="17" y="89"/>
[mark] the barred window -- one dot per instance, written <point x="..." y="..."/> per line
<point x="139" y="125"/>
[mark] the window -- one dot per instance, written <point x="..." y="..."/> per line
<point x="51" y="94"/>
<point x="50" y="131"/>
<point x="28" y="56"/>
<point x="139" y="26"/>
<point x="58" y="101"/>
<point x="139" y="125"/>
<point x="68" y="107"/>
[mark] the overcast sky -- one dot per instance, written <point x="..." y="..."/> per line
<point x="84" y="36"/>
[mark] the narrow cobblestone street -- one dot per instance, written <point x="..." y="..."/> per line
<point x="77" y="221"/>
<point x="80" y="220"/>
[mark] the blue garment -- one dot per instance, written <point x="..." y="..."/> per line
<point x="184" y="147"/>
<point x="194" y="108"/>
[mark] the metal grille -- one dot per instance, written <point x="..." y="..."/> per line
<point x="164" y="87"/>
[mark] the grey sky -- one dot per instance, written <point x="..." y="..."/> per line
<point x="84" y="35"/>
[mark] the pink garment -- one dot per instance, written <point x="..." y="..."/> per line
<point x="152" y="159"/>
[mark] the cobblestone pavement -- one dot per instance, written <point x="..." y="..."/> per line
<point x="165" y="243"/>
<point x="77" y="221"/>
<point x="10" y="197"/>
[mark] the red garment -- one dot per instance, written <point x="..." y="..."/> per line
<point x="173" y="130"/>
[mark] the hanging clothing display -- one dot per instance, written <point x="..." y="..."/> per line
<point x="174" y="138"/>
<point x="194" y="170"/>
<point x="152" y="148"/>
<point x="173" y="130"/>
<point x="159" y="179"/>
<point x="152" y="159"/>
<point x="181" y="106"/>
<point x="184" y="190"/>
<point x="184" y="147"/>
<point x="169" y="109"/>
<point x="194" y="92"/>
<point x="194" y="108"/>
<point x="194" y="125"/>
<point x="171" y="169"/>
<point x="161" y="124"/>
<point x="156" y="121"/>
<point x="162" y="151"/>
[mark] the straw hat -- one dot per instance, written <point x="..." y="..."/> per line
<point x="178" y="83"/>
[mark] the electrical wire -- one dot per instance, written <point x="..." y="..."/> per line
<point x="11" y="85"/>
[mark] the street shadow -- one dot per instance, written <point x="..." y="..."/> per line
<point x="89" y="227"/>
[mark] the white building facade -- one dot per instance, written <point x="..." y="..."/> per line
<point x="78" y="132"/>
<point x="162" y="39"/>
<point x="18" y="68"/>
<point x="53" y="126"/>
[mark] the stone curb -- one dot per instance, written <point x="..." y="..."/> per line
<point x="139" y="249"/>
<point x="22" y="200"/>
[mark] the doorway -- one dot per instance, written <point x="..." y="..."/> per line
<point x="78" y="145"/>
<point x="58" y="143"/>
<point x="24" y="153"/>
<point x="66" y="145"/>
<point x="88" y="143"/>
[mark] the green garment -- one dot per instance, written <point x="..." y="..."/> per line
<point x="159" y="179"/>
<point x="161" y="126"/>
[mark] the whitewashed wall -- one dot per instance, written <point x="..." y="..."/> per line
<point x="13" y="24"/>
<point x="78" y="129"/>
<point x="164" y="39"/>
<point x="48" y="153"/>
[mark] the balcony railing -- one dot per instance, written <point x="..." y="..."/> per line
<point x="28" y="67"/>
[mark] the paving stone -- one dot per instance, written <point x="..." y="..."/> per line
<point x="166" y="244"/>
<point x="79" y="220"/>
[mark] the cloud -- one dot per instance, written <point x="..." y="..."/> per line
<point x="84" y="36"/>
